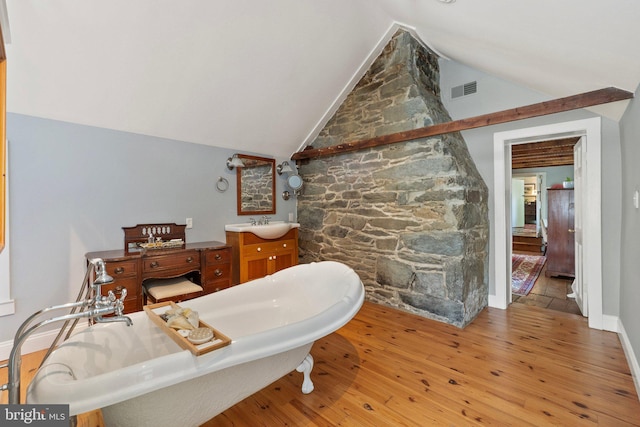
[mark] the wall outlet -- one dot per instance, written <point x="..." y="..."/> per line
<point x="189" y="222"/>
<point x="290" y="216"/>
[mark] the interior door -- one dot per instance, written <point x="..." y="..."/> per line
<point x="517" y="202"/>
<point x="579" y="286"/>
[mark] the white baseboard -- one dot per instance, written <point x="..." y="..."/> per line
<point x="611" y="323"/>
<point x="7" y="308"/>
<point x="35" y="342"/>
<point x="632" y="360"/>
<point x="496" y="302"/>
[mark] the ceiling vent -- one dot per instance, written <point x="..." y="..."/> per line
<point x="464" y="90"/>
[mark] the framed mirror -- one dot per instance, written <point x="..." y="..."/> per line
<point x="256" y="186"/>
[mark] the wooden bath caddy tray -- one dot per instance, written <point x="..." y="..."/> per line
<point x="219" y="339"/>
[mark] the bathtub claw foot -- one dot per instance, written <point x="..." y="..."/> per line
<point x="305" y="367"/>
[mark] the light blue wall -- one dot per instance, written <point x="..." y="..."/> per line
<point x="74" y="187"/>
<point x="554" y="175"/>
<point x="495" y="95"/>
<point x="630" y="244"/>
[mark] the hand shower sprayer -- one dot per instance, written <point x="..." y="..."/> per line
<point x="92" y="305"/>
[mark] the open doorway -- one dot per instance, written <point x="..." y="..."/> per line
<point x="537" y="168"/>
<point x="591" y="231"/>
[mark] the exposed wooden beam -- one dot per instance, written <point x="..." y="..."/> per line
<point x="557" y="152"/>
<point x="574" y="102"/>
<point x="541" y="163"/>
<point x="562" y="143"/>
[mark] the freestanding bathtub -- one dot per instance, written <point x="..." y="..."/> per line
<point x="140" y="377"/>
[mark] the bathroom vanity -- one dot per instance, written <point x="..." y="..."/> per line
<point x="254" y="257"/>
<point x="207" y="263"/>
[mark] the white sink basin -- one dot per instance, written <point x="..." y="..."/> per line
<point x="273" y="230"/>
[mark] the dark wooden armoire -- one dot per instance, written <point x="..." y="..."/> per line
<point x="560" y="232"/>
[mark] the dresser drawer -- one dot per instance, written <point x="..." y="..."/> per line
<point x="216" y="286"/>
<point x="117" y="269"/>
<point x="217" y="272"/>
<point x="219" y="256"/>
<point x="184" y="261"/>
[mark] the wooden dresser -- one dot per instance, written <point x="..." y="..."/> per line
<point x="561" y="233"/>
<point x="206" y="263"/>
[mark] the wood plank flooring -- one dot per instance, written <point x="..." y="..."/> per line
<point x="525" y="366"/>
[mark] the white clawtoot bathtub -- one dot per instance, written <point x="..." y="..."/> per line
<point x="140" y="377"/>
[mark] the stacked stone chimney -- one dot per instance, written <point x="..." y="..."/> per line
<point x="410" y="218"/>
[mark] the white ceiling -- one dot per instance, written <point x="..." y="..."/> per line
<point x="263" y="76"/>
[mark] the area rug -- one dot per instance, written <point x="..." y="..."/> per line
<point x="525" y="270"/>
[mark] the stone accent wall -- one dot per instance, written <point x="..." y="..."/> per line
<point x="410" y="218"/>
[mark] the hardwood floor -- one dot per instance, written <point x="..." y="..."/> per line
<point x="524" y="366"/>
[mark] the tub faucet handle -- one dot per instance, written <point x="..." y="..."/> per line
<point x="119" y="303"/>
<point x="111" y="297"/>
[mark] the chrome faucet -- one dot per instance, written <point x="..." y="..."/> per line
<point x="262" y="221"/>
<point x="93" y="307"/>
<point x="109" y="302"/>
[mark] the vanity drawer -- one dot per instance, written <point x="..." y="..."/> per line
<point x="219" y="256"/>
<point x="268" y="247"/>
<point x="183" y="261"/>
<point x="216" y="286"/>
<point x="117" y="269"/>
<point x="218" y="272"/>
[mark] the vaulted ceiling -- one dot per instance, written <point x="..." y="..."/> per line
<point x="263" y="77"/>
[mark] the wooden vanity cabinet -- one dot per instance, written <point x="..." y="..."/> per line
<point x="208" y="262"/>
<point x="255" y="257"/>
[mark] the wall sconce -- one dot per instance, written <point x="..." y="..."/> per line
<point x="294" y="181"/>
<point x="284" y="167"/>
<point x="234" y="162"/>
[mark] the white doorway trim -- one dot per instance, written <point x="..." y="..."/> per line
<point x="502" y="142"/>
